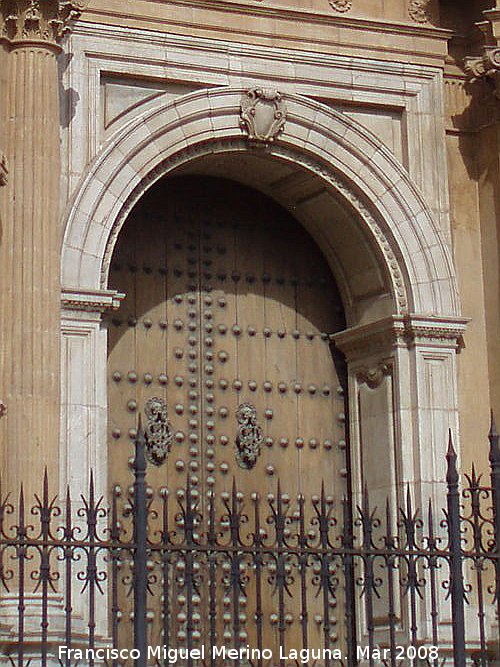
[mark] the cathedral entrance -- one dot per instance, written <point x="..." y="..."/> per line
<point x="223" y="345"/>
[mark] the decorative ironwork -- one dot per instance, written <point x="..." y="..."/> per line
<point x="158" y="431"/>
<point x="296" y="569"/>
<point x="250" y="436"/>
<point x="263" y="114"/>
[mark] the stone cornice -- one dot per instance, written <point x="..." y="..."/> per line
<point x="321" y="30"/>
<point x="302" y="14"/>
<point x="40" y="21"/>
<point x="383" y="336"/>
<point x="3" y="170"/>
<point x="90" y="301"/>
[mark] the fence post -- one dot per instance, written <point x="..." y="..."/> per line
<point x="495" y="497"/>
<point x="455" y="546"/>
<point x="140" y="552"/>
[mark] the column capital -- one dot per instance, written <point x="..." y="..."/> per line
<point x="378" y="340"/>
<point x="486" y="66"/>
<point x="41" y="21"/>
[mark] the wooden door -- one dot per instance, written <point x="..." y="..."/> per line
<point x="228" y="310"/>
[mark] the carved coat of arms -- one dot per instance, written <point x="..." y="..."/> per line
<point x="263" y="114"/>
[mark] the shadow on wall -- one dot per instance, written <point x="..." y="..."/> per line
<point x="68" y="97"/>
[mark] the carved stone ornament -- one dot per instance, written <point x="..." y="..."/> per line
<point x="420" y="10"/>
<point x="3" y="170"/>
<point x="341" y="5"/>
<point x="263" y="114"/>
<point x="249" y="438"/>
<point x="486" y="67"/>
<point x="158" y="431"/>
<point x="38" y="20"/>
<point x="373" y="377"/>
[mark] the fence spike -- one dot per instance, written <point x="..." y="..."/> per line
<point x="494" y="456"/>
<point x="91" y="487"/>
<point x="456" y="557"/>
<point x="388" y="520"/>
<point x="21" y="502"/>
<point x="493" y="437"/>
<point x="451" y="458"/>
<point x="45" y="487"/>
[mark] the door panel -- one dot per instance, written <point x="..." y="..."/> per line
<point x="229" y="302"/>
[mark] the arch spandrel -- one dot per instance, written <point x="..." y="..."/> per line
<point x="349" y="162"/>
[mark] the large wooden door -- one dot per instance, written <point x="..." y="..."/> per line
<point x="228" y="310"/>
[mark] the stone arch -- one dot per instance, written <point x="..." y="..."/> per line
<point x="350" y="161"/>
<point x="368" y="218"/>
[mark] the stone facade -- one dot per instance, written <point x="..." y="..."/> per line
<point x="387" y="111"/>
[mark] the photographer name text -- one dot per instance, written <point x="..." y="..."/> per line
<point x="303" y="656"/>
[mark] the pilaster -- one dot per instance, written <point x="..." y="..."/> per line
<point x="83" y="445"/>
<point x="402" y="402"/>
<point x="404" y="367"/>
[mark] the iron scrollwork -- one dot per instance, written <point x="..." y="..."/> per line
<point x="254" y="552"/>
<point x="249" y="438"/>
<point x="158" y="431"/>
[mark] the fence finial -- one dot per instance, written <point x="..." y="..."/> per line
<point x="451" y="458"/>
<point x="493" y="437"/>
<point x="140" y="445"/>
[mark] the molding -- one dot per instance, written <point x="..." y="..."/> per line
<point x="93" y="301"/>
<point x="296" y="15"/>
<point x="382" y="337"/>
<point x="141" y="38"/>
<point x="4" y="170"/>
<point x="40" y="22"/>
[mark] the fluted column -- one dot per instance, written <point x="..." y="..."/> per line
<point x="31" y="240"/>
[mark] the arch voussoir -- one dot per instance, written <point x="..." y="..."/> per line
<point x="335" y="147"/>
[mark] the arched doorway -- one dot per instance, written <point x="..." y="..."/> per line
<point x="392" y="265"/>
<point x="229" y="303"/>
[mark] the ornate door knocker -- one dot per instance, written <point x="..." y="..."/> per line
<point x="249" y="438"/>
<point x="158" y="431"/>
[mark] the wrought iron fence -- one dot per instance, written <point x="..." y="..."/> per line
<point x="205" y="579"/>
